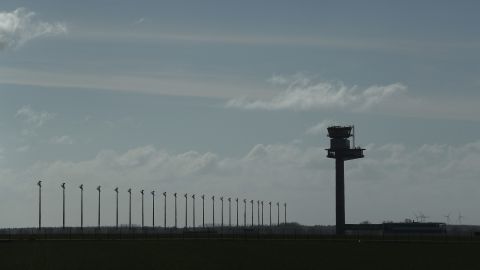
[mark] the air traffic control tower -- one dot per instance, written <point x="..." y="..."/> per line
<point x="340" y="150"/>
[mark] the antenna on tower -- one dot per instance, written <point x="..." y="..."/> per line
<point x="251" y="202"/>
<point x="221" y="199"/>
<point x="245" y="212"/>
<point x="193" y="214"/>
<point x="175" y="196"/>
<point x="186" y="210"/>
<point x="229" y="212"/>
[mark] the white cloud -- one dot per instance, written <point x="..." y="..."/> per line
<point x="33" y="119"/>
<point x="303" y="95"/>
<point x="139" y="21"/>
<point x="20" y="26"/>
<point x="65" y="139"/>
<point x="320" y="128"/>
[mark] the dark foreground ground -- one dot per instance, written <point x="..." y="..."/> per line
<point x="238" y="254"/>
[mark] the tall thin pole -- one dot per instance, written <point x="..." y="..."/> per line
<point x="213" y="211"/>
<point x="262" y="213"/>
<point x="203" y="211"/>
<point x="164" y="210"/>
<point x="153" y="208"/>
<point x="193" y="214"/>
<point x="245" y="212"/>
<point x="63" y="203"/>
<point x="270" y="212"/>
<point x="278" y="214"/>
<point x="251" y="202"/>
<point x="99" y="188"/>
<point x="221" y="199"/>
<point x="175" y="196"/>
<point x="229" y="212"/>
<point x="116" y="207"/>
<point x="81" y="206"/>
<point x="236" y="200"/>
<point x="39" y="205"/>
<point x="186" y="210"/>
<point x="142" y="192"/>
<point x="258" y="213"/>
<point x="129" y="208"/>
<point x="285" y="205"/>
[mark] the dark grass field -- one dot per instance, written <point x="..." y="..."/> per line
<point x="238" y="254"/>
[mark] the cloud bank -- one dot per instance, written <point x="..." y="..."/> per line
<point x="19" y="26"/>
<point x="302" y="95"/>
<point x="434" y="179"/>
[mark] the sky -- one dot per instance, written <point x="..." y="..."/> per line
<point x="232" y="98"/>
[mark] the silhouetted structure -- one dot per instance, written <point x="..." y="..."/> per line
<point x="262" y="212"/>
<point x="278" y="214"/>
<point x="142" y="192"/>
<point x="340" y="150"/>
<point x="164" y="210"/>
<point x="153" y="208"/>
<point x="116" y="207"/>
<point x="236" y="200"/>
<point x="193" y="208"/>
<point x="81" y="206"/>
<point x="251" y="202"/>
<point x="129" y="208"/>
<point x="99" y="188"/>
<point x="230" y="212"/>
<point x="63" y="204"/>
<point x="245" y="212"/>
<point x="175" y="196"/>
<point x="285" y="208"/>
<point x="186" y="210"/>
<point x="213" y="211"/>
<point x="39" y="183"/>
<point x="270" y="212"/>
<point x="203" y="210"/>
<point x="221" y="199"/>
<point x="258" y="213"/>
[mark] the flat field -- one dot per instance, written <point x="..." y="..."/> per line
<point x="238" y="254"/>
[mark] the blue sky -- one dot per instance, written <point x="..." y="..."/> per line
<point x="233" y="98"/>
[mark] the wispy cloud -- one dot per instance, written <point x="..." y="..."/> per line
<point x="139" y="21"/>
<point x="32" y="119"/>
<point x="320" y="128"/>
<point x="302" y="94"/>
<point x="65" y="139"/>
<point x="20" y="26"/>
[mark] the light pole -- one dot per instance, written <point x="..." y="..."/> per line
<point x="39" y="205"/>
<point x="213" y="211"/>
<point x="99" y="188"/>
<point x="229" y="212"/>
<point x="63" y="203"/>
<point x="186" y="211"/>
<point x="278" y="214"/>
<point x="193" y="214"/>
<point x="116" y="208"/>
<point x="81" y="206"/>
<point x="285" y="206"/>
<point x="129" y="208"/>
<point x="221" y="199"/>
<point x="164" y="210"/>
<point x="142" y="192"/>
<point x="236" y="200"/>
<point x="203" y="211"/>
<point x="258" y="213"/>
<point x="245" y="212"/>
<point x="175" y="196"/>
<point x="262" y="212"/>
<point x="251" y="202"/>
<point x="153" y="208"/>
<point x="270" y="212"/>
